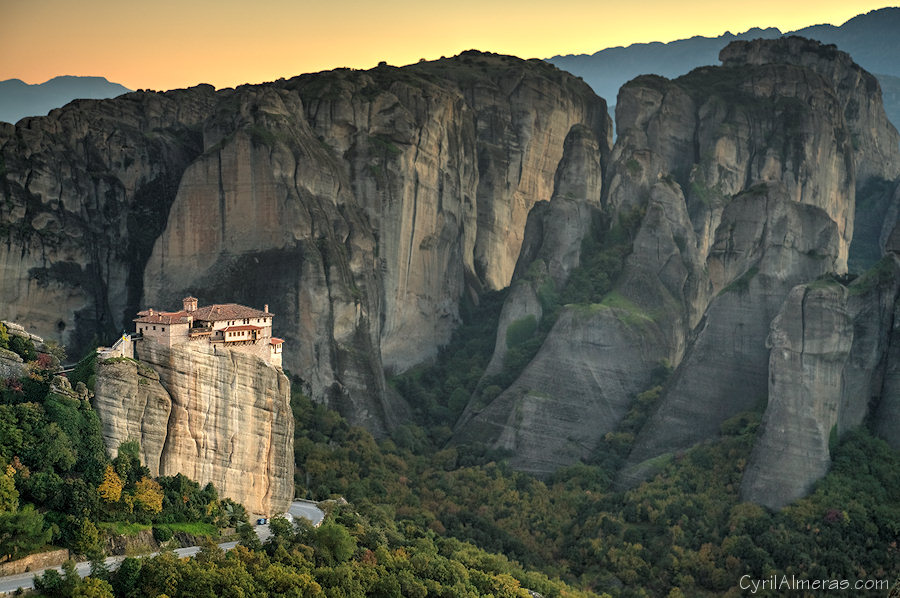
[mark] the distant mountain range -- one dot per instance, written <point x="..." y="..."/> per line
<point x="872" y="39"/>
<point x="19" y="99"/>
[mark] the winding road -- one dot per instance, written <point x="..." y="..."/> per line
<point x="299" y="508"/>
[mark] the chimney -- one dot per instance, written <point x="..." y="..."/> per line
<point x="266" y="308"/>
<point x="189" y="303"/>
<point x="151" y="311"/>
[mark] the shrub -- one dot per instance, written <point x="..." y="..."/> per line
<point x="520" y="331"/>
<point x="23" y="347"/>
<point x="162" y="534"/>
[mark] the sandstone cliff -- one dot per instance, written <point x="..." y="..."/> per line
<point x="211" y="414"/>
<point x="886" y="419"/>
<point x="360" y="205"/>
<point x="820" y="100"/>
<point x="744" y="180"/>
<point x="828" y="348"/>
<point x="554" y="231"/>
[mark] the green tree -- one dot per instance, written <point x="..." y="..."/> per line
<point x="42" y="487"/>
<point x="22" y="532"/>
<point x="128" y="462"/>
<point x="333" y="543"/>
<point x="125" y="578"/>
<point x="80" y="499"/>
<point x="50" y="583"/>
<point x="91" y="587"/>
<point x="55" y="449"/>
<point x="23" y="347"/>
<point x="520" y="331"/>
<point x="86" y="539"/>
<point x="247" y="536"/>
<point x="9" y="496"/>
<point x="231" y="514"/>
<point x="281" y="528"/>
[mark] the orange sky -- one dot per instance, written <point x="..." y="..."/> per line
<point x="165" y="44"/>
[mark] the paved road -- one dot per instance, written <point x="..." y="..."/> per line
<point x="308" y="510"/>
<point x="301" y="508"/>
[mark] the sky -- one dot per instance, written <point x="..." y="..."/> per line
<point x="166" y="44"/>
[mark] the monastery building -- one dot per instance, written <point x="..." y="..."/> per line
<point x="230" y="325"/>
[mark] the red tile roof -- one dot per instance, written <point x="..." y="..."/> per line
<point x="228" y="311"/>
<point x="162" y="317"/>
<point x="276" y="341"/>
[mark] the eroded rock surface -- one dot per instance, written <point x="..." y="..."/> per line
<point x="742" y="180"/>
<point x="132" y="405"/>
<point x="360" y="205"/>
<point x="211" y="414"/>
<point x="828" y="346"/>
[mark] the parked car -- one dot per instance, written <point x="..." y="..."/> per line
<point x="262" y="521"/>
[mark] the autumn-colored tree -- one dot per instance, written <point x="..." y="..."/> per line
<point x="91" y="587"/>
<point x="111" y="488"/>
<point x="9" y="496"/>
<point x="148" y="495"/>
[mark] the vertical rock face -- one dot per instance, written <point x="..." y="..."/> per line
<point x="857" y="91"/>
<point x="520" y="139"/>
<point x="133" y="405"/>
<point x="359" y="205"/>
<point x="826" y="363"/>
<point x="539" y="418"/>
<point x="211" y="414"/>
<point x="771" y="196"/>
<point x="765" y="245"/>
<point x="553" y="234"/>
<point x="887" y="414"/>
<point x="742" y="179"/>
<point x="86" y="191"/>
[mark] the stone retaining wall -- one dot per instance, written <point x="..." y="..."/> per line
<point x="33" y="562"/>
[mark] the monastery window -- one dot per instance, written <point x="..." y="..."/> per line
<point x="163" y="328"/>
<point x="154" y="328"/>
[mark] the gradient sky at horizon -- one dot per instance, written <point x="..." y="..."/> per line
<point x="168" y="44"/>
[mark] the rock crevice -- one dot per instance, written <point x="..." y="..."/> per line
<point x="209" y="413"/>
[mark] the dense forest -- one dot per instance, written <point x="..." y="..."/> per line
<point x="59" y="486"/>
<point x="683" y="533"/>
<point x="424" y="518"/>
<point x="354" y="553"/>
